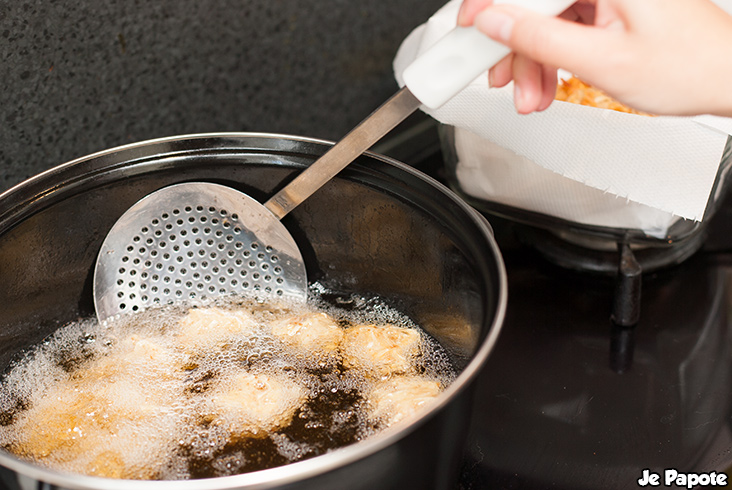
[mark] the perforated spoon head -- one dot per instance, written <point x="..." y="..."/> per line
<point x="196" y="241"/>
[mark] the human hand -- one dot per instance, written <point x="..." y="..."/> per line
<point x="659" y="56"/>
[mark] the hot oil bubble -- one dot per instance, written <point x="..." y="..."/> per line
<point x="291" y="450"/>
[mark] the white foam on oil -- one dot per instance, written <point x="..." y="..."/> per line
<point x="134" y="397"/>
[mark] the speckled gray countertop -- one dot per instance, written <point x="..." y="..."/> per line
<point x="82" y="76"/>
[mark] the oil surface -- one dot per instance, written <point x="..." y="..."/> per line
<point x="199" y="391"/>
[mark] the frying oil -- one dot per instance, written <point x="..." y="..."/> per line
<point x="136" y="398"/>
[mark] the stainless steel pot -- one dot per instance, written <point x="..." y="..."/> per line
<point x="379" y="228"/>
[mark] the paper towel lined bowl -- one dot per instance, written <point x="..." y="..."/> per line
<point x="648" y="179"/>
<point x="497" y="181"/>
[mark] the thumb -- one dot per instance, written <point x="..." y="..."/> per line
<point x="547" y="40"/>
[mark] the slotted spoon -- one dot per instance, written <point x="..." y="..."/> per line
<point x="198" y="240"/>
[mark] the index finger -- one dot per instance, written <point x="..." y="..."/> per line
<point x="469" y="9"/>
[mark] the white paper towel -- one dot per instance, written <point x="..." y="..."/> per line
<point x="516" y="181"/>
<point x="665" y="163"/>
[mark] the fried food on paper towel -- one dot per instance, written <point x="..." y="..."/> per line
<point x="576" y="91"/>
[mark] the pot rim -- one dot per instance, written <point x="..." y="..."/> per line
<point x="302" y="469"/>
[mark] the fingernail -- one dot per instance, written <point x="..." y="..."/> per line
<point x="490" y="78"/>
<point x="495" y="25"/>
<point x="461" y="15"/>
<point x="517" y="97"/>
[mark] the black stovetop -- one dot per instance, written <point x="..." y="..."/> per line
<point x="568" y="401"/>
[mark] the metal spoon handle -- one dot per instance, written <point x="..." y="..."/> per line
<point x="360" y="139"/>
